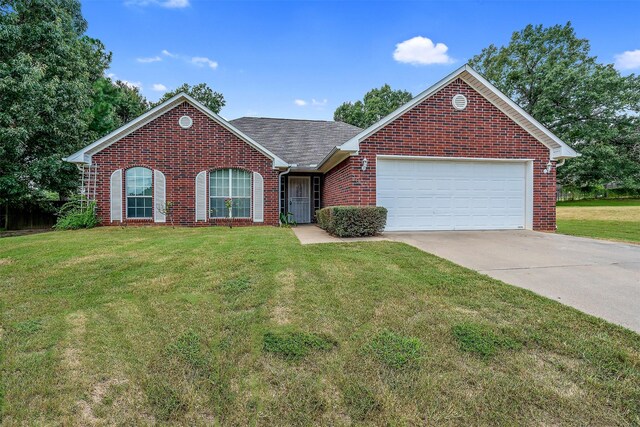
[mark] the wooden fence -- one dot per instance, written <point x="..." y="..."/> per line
<point x="30" y="216"/>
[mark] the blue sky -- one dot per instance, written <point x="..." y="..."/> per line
<point x="303" y="59"/>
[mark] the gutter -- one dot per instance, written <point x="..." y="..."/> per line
<point x="328" y="156"/>
<point x="333" y="151"/>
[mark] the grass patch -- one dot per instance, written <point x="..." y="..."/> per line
<point x="153" y="325"/>
<point x="361" y="401"/>
<point x="623" y="231"/>
<point x="165" y="400"/>
<point x="600" y="202"/>
<point x="28" y="327"/>
<point x="187" y="347"/>
<point x="601" y="219"/>
<point x="292" y="345"/>
<point x="481" y="340"/>
<point x="236" y="286"/>
<point x="396" y="351"/>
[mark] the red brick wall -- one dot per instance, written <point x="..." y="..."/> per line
<point x="435" y="128"/>
<point x="180" y="154"/>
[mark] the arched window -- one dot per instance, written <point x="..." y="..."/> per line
<point x="234" y="184"/>
<point x="139" y="193"/>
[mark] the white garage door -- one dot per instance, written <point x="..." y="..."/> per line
<point x="452" y="195"/>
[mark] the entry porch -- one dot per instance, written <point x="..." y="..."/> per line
<point x="300" y="196"/>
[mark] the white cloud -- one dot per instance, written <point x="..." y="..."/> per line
<point x="314" y="102"/>
<point x="111" y="76"/>
<point x="628" y="60"/>
<point x="150" y="59"/>
<point x="175" y="4"/>
<point x="421" y="51"/>
<point x="201" y="61"/>
<point x="159" y="87"/>
<point x="168" y="4"/>
<point x="133" y="84"/>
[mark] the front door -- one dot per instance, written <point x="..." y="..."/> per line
<point x="299" y="203"/>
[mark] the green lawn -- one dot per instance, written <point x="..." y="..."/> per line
<point x="601" y="202"/>
<point x="601" y="219"/>
<point x="245" y="326"/>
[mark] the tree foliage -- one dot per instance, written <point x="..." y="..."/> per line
<point x="47" y="70"/>
<point x="201" y="93"/>
<point x="114" y="104"/>
<point x="551" y="74"/>
<point x="377" y="103"/>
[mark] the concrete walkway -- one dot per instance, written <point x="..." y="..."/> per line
<point x="310" y="234"/>
<point x="598" y="277"/>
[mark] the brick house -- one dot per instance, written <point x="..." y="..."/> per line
<point x="459" y="156"/>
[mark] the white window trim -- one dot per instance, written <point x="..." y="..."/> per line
<point x="231" y="194"/>
<point x="126" y="196"/>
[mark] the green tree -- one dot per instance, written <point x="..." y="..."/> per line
<point x="47" y="69"/>
<point x="551" y="74"/>
<point x="201" y="93"/>
<point x="114" y="104"/>
<point x="376" y="104"/>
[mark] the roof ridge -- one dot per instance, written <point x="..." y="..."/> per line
<point x="288" y="119"/>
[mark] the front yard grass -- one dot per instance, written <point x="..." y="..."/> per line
<point x="144" y="326"/>
<point x="601" y="219"/>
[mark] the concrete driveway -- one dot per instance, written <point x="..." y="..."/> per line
<point x="600" y="278"/>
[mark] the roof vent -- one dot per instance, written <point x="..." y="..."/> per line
<point x="185" y="122"/>
<point x="459" y="102"/>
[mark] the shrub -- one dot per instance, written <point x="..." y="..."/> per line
<point x="352" y="221"/>
<point x="286" y="220"/>
<point x="295" y="345"/>
<point x="479" y="339"/>
<point x="75" y="214"/>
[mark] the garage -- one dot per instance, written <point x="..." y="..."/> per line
<point x="426" y="193"/>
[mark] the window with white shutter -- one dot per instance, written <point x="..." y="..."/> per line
<point x="201" y="196"/>
<point x="159" y="196"/>
<point x="258" y="197"/>
<point x="115" y="195"/>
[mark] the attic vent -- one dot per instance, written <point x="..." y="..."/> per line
<point x="185" y="122"/>
<point x="459" y="102"/>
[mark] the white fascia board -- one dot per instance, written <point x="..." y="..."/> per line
<point x="328" y="159"/>
<point x="558" y="149"/>
<point x="84" y="155"/>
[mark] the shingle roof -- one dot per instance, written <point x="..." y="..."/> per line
<point x="304" y="142"/>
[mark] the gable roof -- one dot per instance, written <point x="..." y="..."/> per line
<point x="84" y="155"/>
<point x="303" y="143"/>
<point x="558" y="149"/>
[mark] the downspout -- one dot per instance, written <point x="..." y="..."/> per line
<point x="280" y="175"/>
